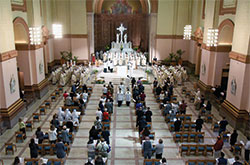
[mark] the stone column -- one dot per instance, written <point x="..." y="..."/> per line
<point x="91" y="36"/>
<point x="237" y="104"/>
<point x="152" y="35"/>
<point x="11" y="106"/>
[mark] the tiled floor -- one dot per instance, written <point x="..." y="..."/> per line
<point x="126" y="148"/>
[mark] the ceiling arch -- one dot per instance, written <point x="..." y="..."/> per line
<point x="148" y="6"/>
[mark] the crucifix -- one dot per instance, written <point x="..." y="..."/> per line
<point x="121" y="29"/>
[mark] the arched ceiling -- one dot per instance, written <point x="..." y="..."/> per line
<point x="148" y="6"/>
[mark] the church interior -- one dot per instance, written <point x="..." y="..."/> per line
<point x="113" y="82"/>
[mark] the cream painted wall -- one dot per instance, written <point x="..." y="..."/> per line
<point x="33" y="13"/>
<point x="196" y="18"/>
<point x="9" y="68"/>
<point x="184" y="16"/>
<point x="209" y="18"/>
<point x="51" y="50"/>
<point x="6" y="27"/>
<point x="78" y="17"/>
<point x="61" y="14"/>
<point x="242" y="28"/>
<point x="165" y="17"/>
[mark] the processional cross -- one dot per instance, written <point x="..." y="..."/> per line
<point x="121" y="29"/>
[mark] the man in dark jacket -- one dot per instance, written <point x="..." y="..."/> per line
<point x="148" y="115"/>
<point x="177" y="125"/>
<point x="199" y="122"/>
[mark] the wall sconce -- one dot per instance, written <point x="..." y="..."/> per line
<point x="187" y="32"/>
<point x="212" y="37"/>
<point x="35" y="35"/>
<point x="57" y="30"/>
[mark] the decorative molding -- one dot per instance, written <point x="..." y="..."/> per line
<point x="41" y="85"/>
<point x="12" y="110"/>
<point x="71" y="36"/>
<point x="8" y="55"/>
<point x="239" y="57"/>
<point x="220" y="48"/>
<point x="26" y="47"/>
<point x="231" y="10"/>
<point x="16" y="7"/>
<point x="204" y="86"/>
<point x="169" y="36"/>
<point x="234" y="111"/>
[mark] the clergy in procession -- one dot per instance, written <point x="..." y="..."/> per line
<point x="105" y="68"/>
<point x="119" y="97"/>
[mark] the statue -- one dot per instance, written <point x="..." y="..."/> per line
<point x="125" y="38"/>
<point x="233" y="86"/>
<point x="12" y="84"/>
<point x="121" y="29"/>
<point x="117" y="38"/>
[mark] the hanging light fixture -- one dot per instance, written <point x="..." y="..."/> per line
<point x="187" y="32"/>
<point x="212" y="37"/>
<point x="57" y="30"/>
<point x="35" y="35"/>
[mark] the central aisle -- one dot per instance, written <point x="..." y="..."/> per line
<point x="124" y="139"/>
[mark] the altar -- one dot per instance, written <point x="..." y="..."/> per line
<point x="121" y="52"/>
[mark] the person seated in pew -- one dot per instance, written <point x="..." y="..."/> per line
<point x="177" y="125"/>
